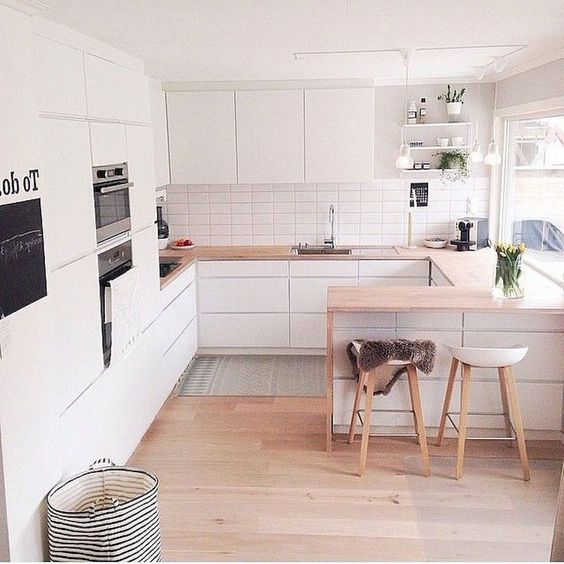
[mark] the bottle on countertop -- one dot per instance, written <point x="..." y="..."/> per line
<point x="412" y="113"/>
<point x="423" y="111"/>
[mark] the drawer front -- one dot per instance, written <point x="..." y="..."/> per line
<point x="393" y="281"/>
<point x="174" y="319"/>
<point x="308" y="330"/>
<point x="241" y="295"/>
<point x="309" y="295"/>
<point x="176" y="287"/>
<point x="324" y="268"/>
<point x="244" y="330"/>
<point x="242" y="268"/>
<point x="180" y="353"/>
<point x="393" y="268"/>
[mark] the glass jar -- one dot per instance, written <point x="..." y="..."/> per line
<point x="508" y="281"/>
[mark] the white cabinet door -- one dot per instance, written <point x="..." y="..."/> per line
<point x="142" y="174"/>
<point x="77" y="354"/>
<point x="108" y="143"/>
<point x="270" y="136"/>
<point x="201" y="129"/>
<point x="339" y="135"/>
<point x="68" y="201"/>
<point x="59" y="80"/>
<point x="309" y="295"/>
<point x="244" y="330"/>
<point x="160" y="135"/>
<point x="146" y="259"/>
<point x="174" y="319"/>
<point x="227" y="295"/>
<point x="134" y="99"/>
<point x="394" y="268"/>
<point x="180" y="353"/>
<point x="103" y="87"/>
<point x="308" y="330"/>
<point x="242" y="268"/>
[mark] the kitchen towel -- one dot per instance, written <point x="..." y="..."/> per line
<point x="126" y="327"/>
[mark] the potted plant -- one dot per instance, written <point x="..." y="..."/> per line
<point x="453" y="100"/>
<point x="508" y="282"/>
<point x="453" y="165"/>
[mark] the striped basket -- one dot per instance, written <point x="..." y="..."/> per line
<point x="108" y="513"/>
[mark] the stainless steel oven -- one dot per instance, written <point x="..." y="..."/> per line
<point x="111" y="200"/>
<point x="111" y="264"/>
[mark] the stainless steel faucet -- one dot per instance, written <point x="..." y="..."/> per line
<point x="331" y="241"/>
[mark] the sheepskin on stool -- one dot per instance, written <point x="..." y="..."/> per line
<point x="374" y="354"/>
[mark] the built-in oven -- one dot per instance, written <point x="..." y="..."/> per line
<point x="111" y="200"/>
<point x="111" y="264"/>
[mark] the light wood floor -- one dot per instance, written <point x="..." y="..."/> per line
<point x="248" y="479"/>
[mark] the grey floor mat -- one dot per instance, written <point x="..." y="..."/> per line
<point x="255" y="375"/>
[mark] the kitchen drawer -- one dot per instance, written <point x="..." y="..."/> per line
<point x="393" y="281"/>
<point x="324" y="268"/>
<point x="177" y="357"/>
<point x="244" y="330"/>
<point x="394" y="268"/>
<point x="234" y="295"/>
<point x="242" y="268"/>
<point x="309" y="295"/>
<point x="172" y="290"/>
<point x="308" y="330"/>
<point x="178" y="315"/>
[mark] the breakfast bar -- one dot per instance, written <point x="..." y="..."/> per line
<point x="469" y="316"/>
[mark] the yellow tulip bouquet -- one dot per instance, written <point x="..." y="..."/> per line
<point x="508" y="271"/>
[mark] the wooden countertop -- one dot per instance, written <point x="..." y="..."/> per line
<point x="351" y="299"/>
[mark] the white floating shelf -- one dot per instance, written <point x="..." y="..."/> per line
<point x="436" y="147"/>
<point x="426" y="171"/>
<point x="442" y="124"/>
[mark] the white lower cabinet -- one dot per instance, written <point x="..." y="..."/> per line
<point x="308" y="330"/>
<point x="396" y="281"/>
<point x="179" y="355"/>
<point x="309" y="295"/>
<point x="260" y="330"/>
<point x="177" y="315"/>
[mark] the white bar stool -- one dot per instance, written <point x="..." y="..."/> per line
<point x="502" y="359"/>
<point x="368" y="380"/>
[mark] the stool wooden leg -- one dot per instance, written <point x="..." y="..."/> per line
<point x="416" y="404"/>
<point x="505" y="404"/>
<point x="448" y="396"/>
<point x="517" y="421"/>
<point x="359" y="388"/>
<point x="464" y="400"/>
<point x="370" y="383"/>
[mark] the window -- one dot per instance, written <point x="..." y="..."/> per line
<point x="532" y="210"/>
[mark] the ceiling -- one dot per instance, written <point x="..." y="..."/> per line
<point x="228" y="40"/>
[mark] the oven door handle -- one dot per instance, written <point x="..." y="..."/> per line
<point x="117" y="188"/>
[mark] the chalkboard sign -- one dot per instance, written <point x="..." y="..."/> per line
<point x="22" y="256"/>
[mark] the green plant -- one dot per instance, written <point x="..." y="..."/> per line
<point x="508" y="270"/>
<point x="453" y="165"/>
<point x="452" y="96"/>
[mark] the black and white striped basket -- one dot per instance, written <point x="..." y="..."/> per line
<point x="108" y="513"/>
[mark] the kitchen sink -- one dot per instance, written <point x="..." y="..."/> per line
<point x="320" y="250"/>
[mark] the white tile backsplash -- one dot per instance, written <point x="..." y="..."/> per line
<point x="371" y="213"/>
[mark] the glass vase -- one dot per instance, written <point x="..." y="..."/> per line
<point x="508" y="282"/>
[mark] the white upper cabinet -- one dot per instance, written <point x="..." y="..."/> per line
<point x="108" y="143"/>
<point x="270" y="136"/>
<point x="339" y="135"/>
<point x="202" y="137"/>
<point x="68" y="200"/>
<point x="59" y="81"/>
<point x="135" y="101"/>
<point x="141" y="173"/>
<point x="160" y="137"/>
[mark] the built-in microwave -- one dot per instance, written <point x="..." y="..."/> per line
<point x="111" y="200"/>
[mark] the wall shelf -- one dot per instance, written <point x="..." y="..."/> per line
<point x="437" y="148"/>
<point x="441" y="124"/>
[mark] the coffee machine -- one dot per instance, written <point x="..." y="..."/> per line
<point x="472" y="233"/>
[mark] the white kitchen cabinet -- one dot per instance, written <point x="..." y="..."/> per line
<point x="160" y="134"/>
<point x="134" y="100"/>
<point x="270" y="136"/>
<point x="308" y="330"/>
<point x="339" y="135"/>
<point x="103" y="87"/>
<point x="177" y="286"/>
<point x="66" y="179"/>
<point x="394" y="268"/>
<point x="146" y="259"/>
<point x="324" y="268"/>
<point x="309" y="295"/>
<point x="179" y="355"/>
<point x="59" y="78"/>
<point x="174" y="318"/>
<point x="108" y="143"/>
<point x="244" y="330"/>
<point x="230" y="295"/>
<point x="202" y="143"/>
<point x="77" y="354"/>
<point x="397" y="281"/>
<point x="142" y="174"/>
<point x="242" y="268"/>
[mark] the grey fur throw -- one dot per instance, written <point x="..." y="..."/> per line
<point x="372" y="354"/>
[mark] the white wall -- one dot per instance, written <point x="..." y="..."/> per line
<point x="540" y="83"/>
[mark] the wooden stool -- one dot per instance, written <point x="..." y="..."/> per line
<point x="503" y="360"/>
<point x="368" y="379"/>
